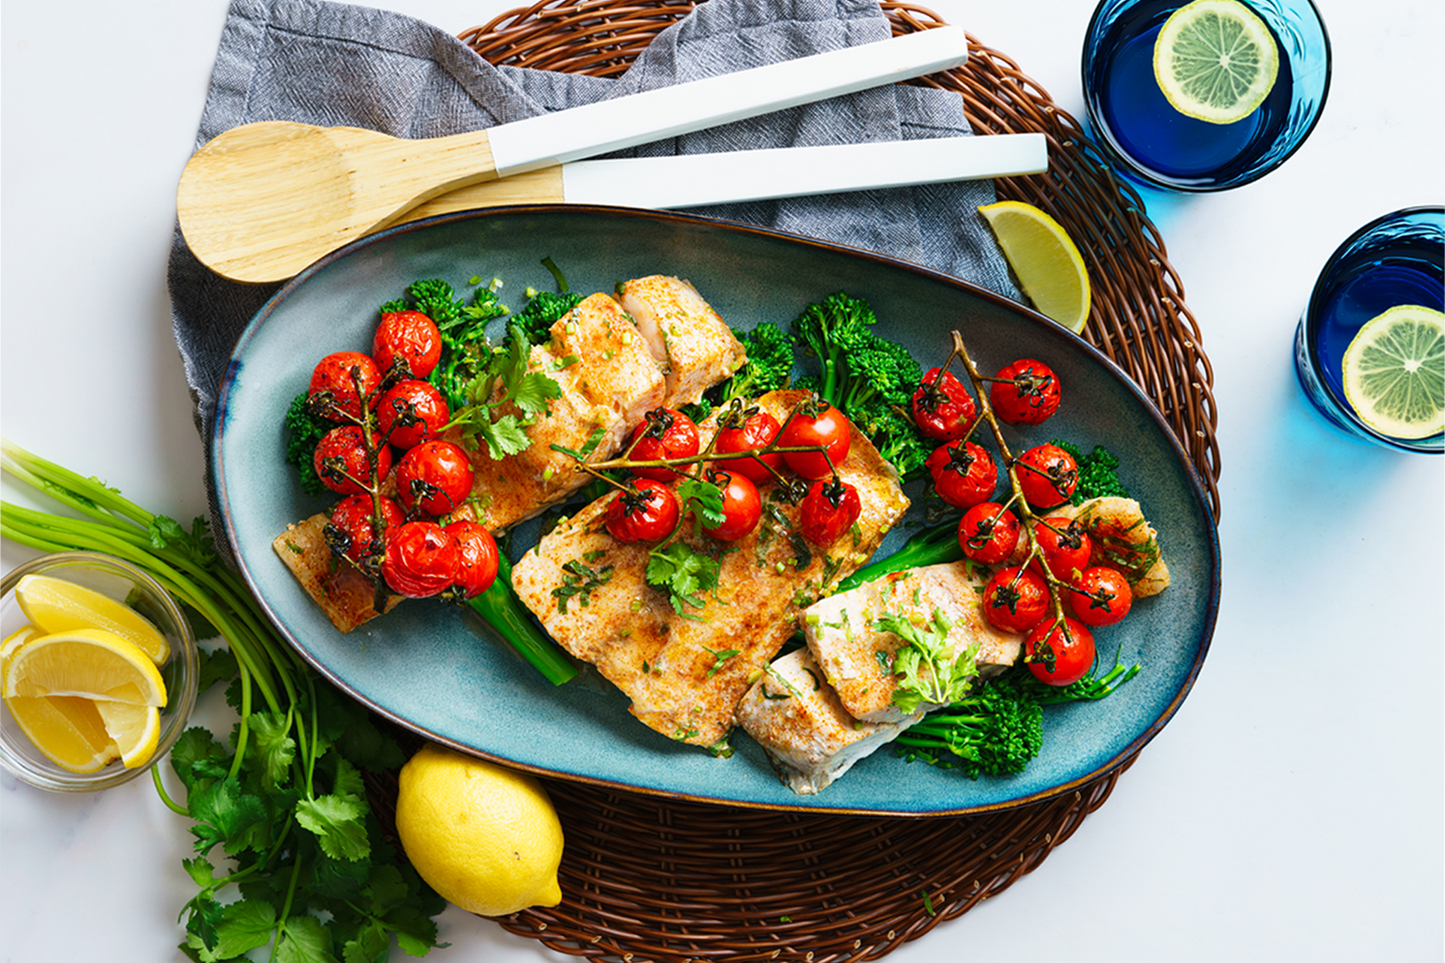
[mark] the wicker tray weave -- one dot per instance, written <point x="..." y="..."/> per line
<point x="646" y="879"/>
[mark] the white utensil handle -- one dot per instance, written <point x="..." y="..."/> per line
<point x="692" y="180"/>
<point x="593" y="129"/>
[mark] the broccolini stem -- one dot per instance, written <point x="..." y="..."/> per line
<point x="933" y="545"/>
<point x="504" y="612"/>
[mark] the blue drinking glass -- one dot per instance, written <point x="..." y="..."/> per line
<point x="1395" y="259"/>
<point x="1145" y="138"/>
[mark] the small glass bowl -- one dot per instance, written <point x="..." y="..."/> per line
<point x="125" y="583"/>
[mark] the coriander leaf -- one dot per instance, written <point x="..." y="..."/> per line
<point x="388" y="889"/>
<point x="683" y="573"/>
<point x="271" y="747"/>
<point x="337" y="822"/>
<point x="304" y="940"/>
<point x="927" y="668"/>
<point x="704" y="499"/>
<point x="217" y="665"/>
<point x="200" y="870"/>
<point x="504" y="436"/>
<point x="371" y="944"/>
<point x="532" y="392"/>
<point x="244" y="925"/>
<point x="224" y="813"/>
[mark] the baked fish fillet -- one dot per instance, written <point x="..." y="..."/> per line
<point x="686" y="673"/>
<point x="694" y="347"/>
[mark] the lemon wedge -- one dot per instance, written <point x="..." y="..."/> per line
<point x="68" y="730"/>
<point x="1394" y="372"/>
<point x="135" y="730"/>
<point x="1215" y="60"/>
<point x="89" y="663"/>
<point x="56" y="605"/>
<point x="1045" y="260"/>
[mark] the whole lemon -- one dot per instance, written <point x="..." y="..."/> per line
<point x="483" y="836"/>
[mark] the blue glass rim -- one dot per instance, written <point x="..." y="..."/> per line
<point x="1123" y="164"/>
<point x="1310" y="322"/>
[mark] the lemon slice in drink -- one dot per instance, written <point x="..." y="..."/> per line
<point x="1215" y="60"/>
<point x="1045" y="260"/>
<point x="56" y="605"/>
<point x="1394" y="372"/>
<point x="135" y="730"/>
<point x="89" y="663"/>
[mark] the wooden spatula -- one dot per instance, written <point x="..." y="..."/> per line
<point x="262" y="201"/>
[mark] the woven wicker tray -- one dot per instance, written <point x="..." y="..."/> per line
<point x="645" y="878"/>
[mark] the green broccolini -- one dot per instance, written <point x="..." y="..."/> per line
<point x="1098" y="473"/>
<point x="541" y="312"/>
<point x="304" y="432"/>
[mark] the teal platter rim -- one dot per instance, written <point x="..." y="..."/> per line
<point x="438" y="674"/>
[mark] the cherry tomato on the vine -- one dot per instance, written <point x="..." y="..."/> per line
<point x="336" y="378"/>
<point x="1059" y="653"/>
<point x="1015" y="599"/>
<point x="758" y="430"/>
<point x="663" y="433"/>
<point x="963" y="473"/>
<point x="408" y="336"/>
<point x="820" y="424"/>
<point x="645" y="512"/>
<point x="477" y="558"/>
<point x="435" y="477"/>
<point x="354" y="523"/>
<point x="421" y="560"/>
<point x="828" y="510"/>
<point x="741" y="505"/>
<point x="1048" y="476"/>
<point x="411" y="412"/>
<point x="988" y="533"/>
<point x="341" y="463"/>
<point x="942" y="407"/>
<point x="1027" y="394"/>
<point x="1100" y="596"/>
<point x="1065" y="544"/>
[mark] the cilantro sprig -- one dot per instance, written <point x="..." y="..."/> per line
<point x="929" y="670"/>
<point x="506" y="383"/>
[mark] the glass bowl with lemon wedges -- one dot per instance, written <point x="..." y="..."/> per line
<point x="1370" y="349"/>
<point x="1206" y="95"/>
<point x="99" y="668"/>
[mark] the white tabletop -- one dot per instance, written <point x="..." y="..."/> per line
<point x="1291" y="811"/>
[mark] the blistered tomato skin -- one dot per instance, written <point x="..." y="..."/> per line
<point x="647" y="512"/>
<point x="411" y="412"/>
<point x="1027" y="394"/>
<point x="1048" y="476"/>
<point x="742" y="506"/>
<point x="477" y="559"/>
<point x="1014" y="600"/>
<point x="341" y="464"/>
<point x="942" y="407"/>
<point x="988" y="533"/>
<point x="335" y="379"/>
<point x="828" y="428"/>
<point x="964" y="474"/>
<point x="354" y="523"/>
<point x="409" y="337"/>
<point x="421" y="560"/>
<point x="1065" y="544"/>
<point x="828" y="510"/>
<point x="663" y="433"/>
<point x="1100" y="596"/>
<point x="757" y="431"/>
<point x="434" y="478"/>
<point x="1059" y="654"/>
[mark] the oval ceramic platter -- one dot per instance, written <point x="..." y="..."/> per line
<point x="424" y="666"/>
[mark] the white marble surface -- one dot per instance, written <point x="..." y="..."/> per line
<point x="1291" y="811"/>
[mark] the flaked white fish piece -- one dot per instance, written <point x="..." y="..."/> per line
<point x="693" y="345"/>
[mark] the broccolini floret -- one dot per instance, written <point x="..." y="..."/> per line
<point x="1098" y="474"/>
<point x="303" y="432"/>
<point x="995" y="731"/>
<point x="869" y="377"/>
<point x="542" y="311"/>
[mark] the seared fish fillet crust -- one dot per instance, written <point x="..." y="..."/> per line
<point x="693" y="346"/>
<point x="686" y="674"/>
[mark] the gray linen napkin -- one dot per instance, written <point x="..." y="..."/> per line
<point x="336" y="64"/>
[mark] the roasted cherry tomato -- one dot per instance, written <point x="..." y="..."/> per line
<point x="411" y="412"/>
<point x="477" y="558"/>
<point x="1065" y="544"/>
<point x="663" y="433"/>
<point x="1100" y="596"/>
<point x="1059" y="653"/>
<point x="757" y="430"/>
<point x="646" y="512"/>
<point x="421" y="560"/>
<point x="1015" y="599"/>
<point x="963" y="473"/>
<point x="341" y="464"/>
<point x="942" y="407"/>
<point x="352" y="531"/>
<point x="335" y="380"/>
<point x="1026" y="394"/>
<point x="816" y="424"/>
<point x="742" y="506"/>
<point x="988" y="533"/>
<point x="408" y="337"/>
<point x="434" y="478"/>
<point x="1048" y="476"/>
<point x="828" y="510"/>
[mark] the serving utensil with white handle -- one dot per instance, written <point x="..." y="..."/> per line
<point x="262" y="201"/>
